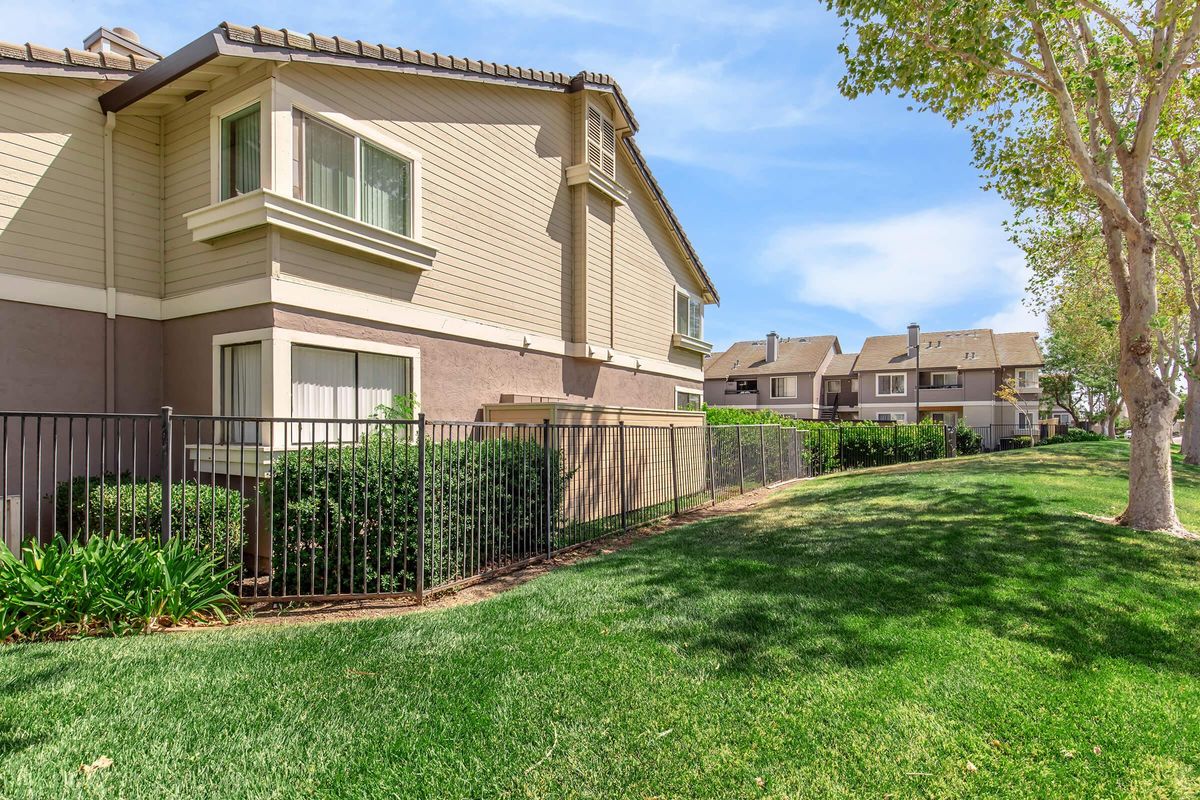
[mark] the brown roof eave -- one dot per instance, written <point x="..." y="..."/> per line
<point x="182" y="61"/>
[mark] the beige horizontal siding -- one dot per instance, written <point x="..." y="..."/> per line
<point x="51" y="179"/>
<point x="648" y="266"/>
<point x="137" y="225"/>
<point x="494" y="201"/>
<point x="599" y="268"/>
<point x="191" y="266"/>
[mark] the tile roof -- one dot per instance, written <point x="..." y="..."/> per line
<point x="842" y="364"/>
<point x="796" y="354"/>
<point x="969" y="349"/>
<point x="72" y="57"/>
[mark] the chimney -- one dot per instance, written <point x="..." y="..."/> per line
<point x="914" y="338"/>
<point x="121" y="41"/>
<point x="772" y="347"/>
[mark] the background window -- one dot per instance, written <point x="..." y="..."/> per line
<point x="783" y="387"/>
<point x="1027" y="379"/>
<point x="343" y="173"/>
<point x="894" y="416"/>
<point x="687" y="401"/>
<point x="890" y="384"/>
<point x="240" y="152"/>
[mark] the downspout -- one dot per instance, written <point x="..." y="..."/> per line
<point x="110" y="283"/>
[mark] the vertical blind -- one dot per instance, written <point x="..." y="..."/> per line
<point x="240" y="146"/>
<point x="689" y="315"/>
<point x="328" y="167"/>
<point x="384" y="189"/>
<point x="243" y="389"/>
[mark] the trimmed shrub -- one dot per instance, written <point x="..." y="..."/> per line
<point x="1016" y="442"/>
<point x="99" y="507"/>
<point x="344" y="517"/>
<point x="107" y="585"/>
<point x="1075" y="435"/>
<point x="970" y="442"/>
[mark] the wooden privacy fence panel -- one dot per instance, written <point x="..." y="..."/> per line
<point x="310" y="509"/>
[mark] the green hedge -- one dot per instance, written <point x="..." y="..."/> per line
<point x="830" y="446"/>
<point x="107" y="585"/>
<point x="1075" y="435"/>
<point x="344" y="517"/>
<point x="969" y="441"/>
<point x="99" y="507"/>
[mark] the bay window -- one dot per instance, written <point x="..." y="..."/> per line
<point x="343" y="173"/>
<point x="241" y="156"/>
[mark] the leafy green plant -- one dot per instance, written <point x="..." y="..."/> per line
<point x="108" y="585"/>
<point x="1074" y="435"/>
<point x="344" y="516"/>
<point x="103" y="505"/>
<point x="969" y="441"/>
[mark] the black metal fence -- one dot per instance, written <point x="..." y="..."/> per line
<point x="1011" y="436"/>
<point x="310" y="509"/>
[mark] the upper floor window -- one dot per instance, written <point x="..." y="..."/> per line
<point x="241" y="155"/>
<point x="938" y="380"/>
<point x="891" y="384"/>
<point x="689" y="315"/>
<point x="1027" y="379"/>
<point x="832" y="387"/>
<point x="784" y="386"/>
<point x="346" y="174"/>
<point x="601" y="142"/>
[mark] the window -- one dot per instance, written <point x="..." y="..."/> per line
<point x="687" y="400"/>
<point x="783" y="387"/>
<point x="833" y="387"/>
<point x="241" y="389"/>
<point x="1027" y="379"/>
<point x="240" y="152"/>
<point x="1022" y="421"/>
<point x="340" y="384"/>
<point x="854" y="384"/>
<point x="601" y="142"/>
<point x="892" y="416"/>
<point x="891" y="384"/>
<point x="348" y="175"/>
<point x="689" y="315"/>
<point x="938" y="380"/>
<point x="745" y="387"/>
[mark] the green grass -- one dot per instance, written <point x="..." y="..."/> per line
<point x="862" y="635"/>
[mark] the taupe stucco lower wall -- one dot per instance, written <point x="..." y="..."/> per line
<point x="54" y="359"/>
<point x="458" y="377"/>
<point x="187" y="354"/>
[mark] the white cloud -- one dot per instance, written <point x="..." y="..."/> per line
<point x="896" y="269"/>
<point x="1016" y="317"/>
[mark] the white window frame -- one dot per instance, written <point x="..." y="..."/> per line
<point x="795" y="381"/>
<point x="1026" y="424"/>
<point x="953" y="377"/>
<point x="303" y="108"/>
<point x="261" y="94"/>
<point x="691" y="392"/>
<point x="902" y="375"/>
<point x="833" y="386"/>
<point x="692" y="298"/>
<point x="892" y="416"/>
<point x="1024" y="372"/>
<point x="854" y="384"/>
<point x="276" y="369"/>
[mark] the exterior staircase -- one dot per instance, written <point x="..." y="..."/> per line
<point x="830" y="413"/>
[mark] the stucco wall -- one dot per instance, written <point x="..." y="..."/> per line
<point x="187" y="354"/>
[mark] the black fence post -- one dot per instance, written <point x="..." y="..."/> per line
<point x="165" y="472"/>
<point x="549" y="488"/>
<point x="420" y="509"/>
<point x="674" y="471"/>
<point x="741" y="464"/>
<point x="621" y="473"/>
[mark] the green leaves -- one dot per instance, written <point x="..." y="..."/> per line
<point x="108" y="585"/>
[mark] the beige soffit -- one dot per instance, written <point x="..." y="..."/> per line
<point x="797" y="354"/>
<point x="271" y="44"/>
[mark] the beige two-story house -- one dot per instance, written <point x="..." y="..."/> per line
<point x="778" y="373"/>
<point x="271" y="223"/>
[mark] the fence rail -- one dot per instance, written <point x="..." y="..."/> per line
<point x="308" y="509"/>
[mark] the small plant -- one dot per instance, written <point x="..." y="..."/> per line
<point x="108" y="585"/>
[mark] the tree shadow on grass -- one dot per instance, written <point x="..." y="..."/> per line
<point x="817" y="579"/>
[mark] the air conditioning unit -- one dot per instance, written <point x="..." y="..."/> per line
<point x="11" y="523"/>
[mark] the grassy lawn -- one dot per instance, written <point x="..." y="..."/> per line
<point x="941" y="630"/>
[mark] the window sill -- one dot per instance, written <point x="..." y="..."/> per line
<point x="268" y="208"/>
<point x="592" y="176"/>
<point x="684" y="342"/>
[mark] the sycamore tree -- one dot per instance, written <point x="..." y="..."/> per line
<point x="1090" y="78"/>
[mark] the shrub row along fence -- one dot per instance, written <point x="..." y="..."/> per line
<point x="355" y="508"/>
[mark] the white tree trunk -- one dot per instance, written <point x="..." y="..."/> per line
<point x="1150" y="402"/>
<point x="1191" y="421"/>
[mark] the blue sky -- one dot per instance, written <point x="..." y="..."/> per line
<point x="813" y="213"/>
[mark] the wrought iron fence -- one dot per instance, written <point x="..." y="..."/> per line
<point x="310" y="509"/>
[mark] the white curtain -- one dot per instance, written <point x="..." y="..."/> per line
<point x="380" y="380"/>
<point x="322" y="388"/>
<point x="384" y="191"/>
<point x="243" y="390"/>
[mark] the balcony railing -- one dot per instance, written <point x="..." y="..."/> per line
<point x="924" y="387"/>
<point x="741" y="391"/>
